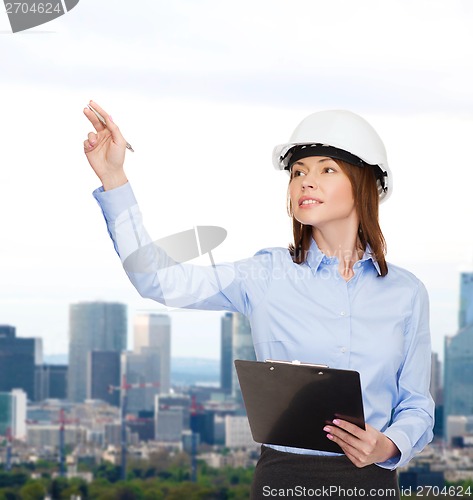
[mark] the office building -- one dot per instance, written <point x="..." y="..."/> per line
<point x="140" y="369"/>
<point x="242" y="348"/>
<point x="436" y="390"/>
<point x="238" y="433"/>
<point x="47" y="435"/>
<point x="172" y="417"/>
<point x="149" y="365"/>
<point x="143" y="427"/>
<point x="465" y="316"/>
<point x="203" y="424"/>
<point x="92" y="326"/>
<point x="458" y="375"/>
<point x="103" y="372"/>
<point x="152" y="335"/>
<point x="19" y="357"/>
<point x="51" y="382"/>
<point x="458" y="428"/>
<point x="13" y="414"/>
<point x="226" y="353"/>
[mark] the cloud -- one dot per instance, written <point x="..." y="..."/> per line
<point x="396" y="57"/>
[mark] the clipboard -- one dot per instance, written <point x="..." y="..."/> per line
<point x="289" y="403"/>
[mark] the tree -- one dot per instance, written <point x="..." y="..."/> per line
<point x="57" y="486"/>
<point x="9" y="494"/>
<point x="33" y="490"/>
<point x="12" y="479"/>
<point x="75" y="486"/>
<point x="108" y="471"/>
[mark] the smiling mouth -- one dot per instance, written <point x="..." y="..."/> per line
<point x="309" y="202"/>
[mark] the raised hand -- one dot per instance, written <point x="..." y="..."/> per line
<point x="105" y="149"/>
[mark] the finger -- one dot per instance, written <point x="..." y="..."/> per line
<point x="343" y="438"/>
<point x="357" y="456"/>
<point x="87" y="147"/>
<point x="92" y="138"/>
<point x="94" y="105"/>
<point x="349" y="427"/>
<point x="116" y="134"/>
<point x="91" y="142"/>
<point x="98" y="125"/>
<point x="340" y="436"/>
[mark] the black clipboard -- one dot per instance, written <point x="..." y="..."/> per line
<point x="290" y="403"/>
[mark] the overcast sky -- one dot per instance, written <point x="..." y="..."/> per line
<point x="203" y="91"/>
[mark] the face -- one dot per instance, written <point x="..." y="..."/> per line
<point x="321" y="193"/>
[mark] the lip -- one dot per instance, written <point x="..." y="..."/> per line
<point x="303" y="198"/>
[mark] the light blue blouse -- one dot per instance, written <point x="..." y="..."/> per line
<point x="378" y="326"/>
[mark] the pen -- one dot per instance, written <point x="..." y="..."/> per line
<point x="102" y="120"/>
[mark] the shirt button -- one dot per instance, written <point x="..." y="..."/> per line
<point x="342" y="313"/>
<point x="343" y="349"/>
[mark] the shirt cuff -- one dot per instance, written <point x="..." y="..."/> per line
<point x="403" y="445"/>
<point x="115" y="201"/>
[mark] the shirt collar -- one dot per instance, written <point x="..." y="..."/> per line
<point x="315" y="257"/>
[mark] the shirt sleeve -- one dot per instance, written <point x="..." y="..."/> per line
<point x="155" y="275"/>
<point x="412" y="420"/>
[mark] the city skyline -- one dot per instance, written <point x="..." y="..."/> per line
<point x="169" y="417"/>
<point x="215" y="322"/>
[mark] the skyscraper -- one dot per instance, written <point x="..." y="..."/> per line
<point x="242" y="348"/>
<point x="226" y="353"/>
<point x="465" y="317"/>
<point x="458" y="382"/>
<point x="92" y="326"/>
<point x="103" y="371"/>
<point x="19" y="358"/>
<point x="152" y="335"/>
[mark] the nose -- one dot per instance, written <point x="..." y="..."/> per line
<point x="309" y="182"/>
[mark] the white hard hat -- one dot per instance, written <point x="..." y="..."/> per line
<point x="341" y="135"/>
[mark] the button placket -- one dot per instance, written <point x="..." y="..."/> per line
<point x="345" y="319"/>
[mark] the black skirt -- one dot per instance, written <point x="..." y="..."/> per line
<point x="280" y="474"/>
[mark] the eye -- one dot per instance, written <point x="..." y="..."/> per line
<point x="297" y="173"/>
<point x="329" y="170"/>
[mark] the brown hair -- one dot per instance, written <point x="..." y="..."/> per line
<point x="365" y="193"/>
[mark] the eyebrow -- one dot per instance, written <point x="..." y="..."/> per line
<point x="322" y="160"/>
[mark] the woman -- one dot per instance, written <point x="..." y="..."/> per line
<point x="330" y="299"/>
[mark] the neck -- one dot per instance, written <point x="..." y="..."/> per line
<point x="343" y="244"/>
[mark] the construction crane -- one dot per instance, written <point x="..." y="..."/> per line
<point x="62" y="441"/>
<point x="62" y="421"/>
<point x="124" y="388"/>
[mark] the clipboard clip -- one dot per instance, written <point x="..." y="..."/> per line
<point x="295" y="362"/>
